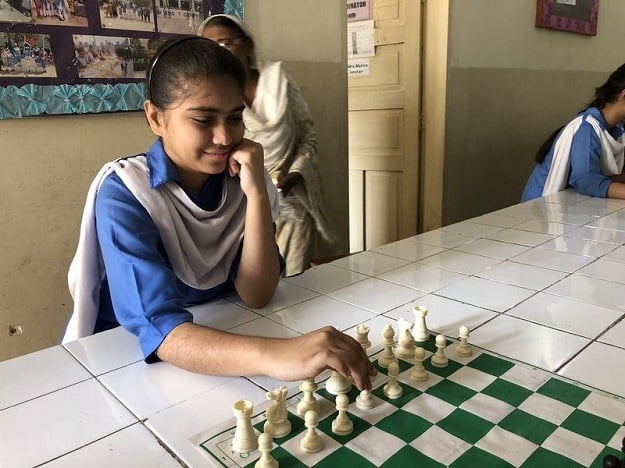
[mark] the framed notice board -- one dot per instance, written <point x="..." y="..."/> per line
<point x="577" y="16"/>
<point x="87" y="56"/>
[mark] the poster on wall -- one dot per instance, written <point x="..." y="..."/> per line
<point x="359" y="10"/>
<point x="576" y="16"/>
<point x="86" y="56"/>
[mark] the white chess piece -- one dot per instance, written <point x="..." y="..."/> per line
<point x="364" y="400"/>
<point x="277" y="423"/>
<point x="311" y="442"/>
<point x="392" y="389"/>
<point x="338" y="384"/>
<point x="421" y="332"/>
<point x="418" y="372"/>
<point x="406" y="341"/>
<point x="245" y="439"/>
<point x="308" y="402"/>
<point x="439" y="359"/>
<point x="362" y="336"/>
<point x="463" y="348"/>
<point x="342" y="425"/>
<point x="388" y="341"/>
<point x="265" y="445"/>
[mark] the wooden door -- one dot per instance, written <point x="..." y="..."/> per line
<point x="384" y="115"/>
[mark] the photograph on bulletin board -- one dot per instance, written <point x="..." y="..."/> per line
<point x="54" y="54"/>
<point x="111" y="57"/>
<point x="26" y="55"/>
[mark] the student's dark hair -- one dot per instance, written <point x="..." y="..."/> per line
<point x="604" y="94"/>
<point x="184" y="60"/>
<point x="541" y="154"/>
<point x="609" y="91"/>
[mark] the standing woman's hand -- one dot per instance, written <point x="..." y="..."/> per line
<point x="247" y="160"/>
<point x="286" y="183"/>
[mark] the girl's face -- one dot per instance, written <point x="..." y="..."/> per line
<point x="231" y="39"/>
<point x="200" y="130"/>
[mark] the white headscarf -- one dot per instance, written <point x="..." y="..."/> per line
<point x="201" y="245"/>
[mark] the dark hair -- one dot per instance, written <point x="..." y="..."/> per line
<point x="541" y="154"/>
<point x="186" y="59"/>
<point x="606" y="93"/>
<point x="609" y="91"/>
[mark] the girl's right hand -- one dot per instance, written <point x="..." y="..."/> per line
<point x="247" y="160"/>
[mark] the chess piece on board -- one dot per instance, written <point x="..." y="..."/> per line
<point x="463" y="348"/>
<point x="420" y="332"/>
<point x="612" y="461"/>
<point x="439" y="359"/>
<point x="308" y="402"/>
<point x="342" y="425"/>
<point x="392" y="389"/>
<point x="338" y="384"/>
<point x="364" y="401"/>
<point x="418" y="372"/>
<point x="362" y="336"/>
<point x="265" y="445"/>
<point x="277" y="423"/>
<point x="245" y="439"/>
<point x="311" y="442"/>
<point x="388" y="341"/>
<point x="406" y="341"/>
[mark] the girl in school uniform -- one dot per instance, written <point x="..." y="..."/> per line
<point x="587" y="154"/>
<point x="189" y="221"/>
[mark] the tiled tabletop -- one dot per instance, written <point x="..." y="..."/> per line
<point x="541" y="282"/>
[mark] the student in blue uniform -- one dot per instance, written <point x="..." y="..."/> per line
<point x="587" y="153"/>
<point x="188" y="221"/>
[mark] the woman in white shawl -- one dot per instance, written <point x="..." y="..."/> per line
<point x="277" y="117"/>
<point x="586" y="154"/>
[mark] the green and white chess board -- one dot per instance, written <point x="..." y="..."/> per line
<point x="479" y="411"/>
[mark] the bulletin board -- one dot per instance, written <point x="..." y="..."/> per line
<point x="577" y="16"/>
<point x="87" y="56"/>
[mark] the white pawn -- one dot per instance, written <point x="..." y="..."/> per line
<point x="311" y="442"/>
<point x="406" y="341"/>
<point x="364" y="400"/>
<point x="277" y="423"/>
<point x="265" y="445"/>
<point x="463" y="348"/>
<point x="245" y="439"/>
<point x="362" y="336"/>
<point x="342" y="425"/>
<point x="418" y="372"/>
<point x="308" y="402"/>
<point x="389" y="341"/>
<point x="392" y="389"/>
<point x="338" y="384"/>
<point x="421" y="332"/>
<point x="439" y="359"/>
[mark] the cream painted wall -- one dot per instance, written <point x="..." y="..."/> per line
<point x="509" y="85"/>
<point x="50" y="162"/>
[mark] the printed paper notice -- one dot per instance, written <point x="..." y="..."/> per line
<point x="360" y="39"/>
<point x="358" y="67"/>
<point x="358" y="10"/>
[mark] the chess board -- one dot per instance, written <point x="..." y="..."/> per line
<point x="481" y="410"/>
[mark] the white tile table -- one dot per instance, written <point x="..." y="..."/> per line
<point x="540" y="282"/>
